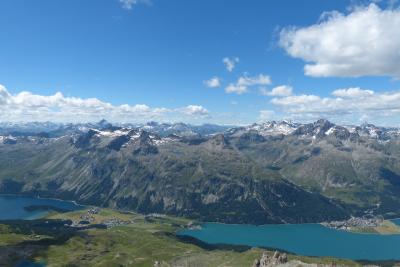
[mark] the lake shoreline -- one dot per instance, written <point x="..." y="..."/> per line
<point x="241" y="248"/>
<point x="294" y="239"/>
<point x="39" y="197"/>
<point x="196" y="222"/>
<point x="313" y="240"/>
<point x="24" y="207"/>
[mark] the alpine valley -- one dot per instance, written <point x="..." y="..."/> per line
<point x="273" y="172"/>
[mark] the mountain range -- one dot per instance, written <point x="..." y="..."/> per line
<point x="273" y="172"/>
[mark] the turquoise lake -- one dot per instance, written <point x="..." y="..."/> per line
<point x="303" y="239"/>
<point x="14" y="207"/>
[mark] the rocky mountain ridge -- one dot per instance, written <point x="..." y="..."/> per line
<point x="319" y="128"/>
<point x="274" y="172"/>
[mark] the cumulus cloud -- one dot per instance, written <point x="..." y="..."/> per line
<point x="195" y="110"/>
<point x="236" y="89"/>
<point x="261" y="79"/>
<point x="230" y="63"/>
<point x="244" y="82"/>
<point x="129" y="4"/>
<point x="352" y="102"/>
<point x="26" y="106"/>
<point x="282" y="90"/>
<point x="364" y="42"/>
<point x="352" y="92"/>
<point x="214" y="82"/>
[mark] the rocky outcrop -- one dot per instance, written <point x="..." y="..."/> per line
<point x="145" y="145"/>
<point x="277" y="259"/>
<point x="118" y="142"/>
<point x="83" y="140"/>
<point x="281" y="260"/>
<point x="218" y="142"/>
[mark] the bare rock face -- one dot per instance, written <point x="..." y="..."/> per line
<point x="266" y="261"/>
<point x="256" y="263"/>
<point x="281" y="260"/>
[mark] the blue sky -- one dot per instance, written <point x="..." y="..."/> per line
<point x="156" y="56"/>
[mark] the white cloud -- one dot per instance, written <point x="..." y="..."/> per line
<point x="261" y="79"/>
<point x="352" y="102"/>
<point x="282" y="90"/>
<point x="236" y="89"/>
<point x="214" y="82"/>
<point x="195" y="110"/>
<point x="26" y="106"/>
<point x="230" y="63"/>
<point x="244" y="82"/>
<point x="364" y="42"/>
<point x="129" y="4"/>
<point x="266" y="115"/>
<point x="352" y="92"/>
<point x="4" y="95"/>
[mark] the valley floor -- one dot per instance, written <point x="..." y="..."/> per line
<point x="104" y="237"/>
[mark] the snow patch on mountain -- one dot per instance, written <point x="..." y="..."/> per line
<point x="273" y="128"/>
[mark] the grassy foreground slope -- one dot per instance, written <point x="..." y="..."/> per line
<point x="142" y="242"/>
